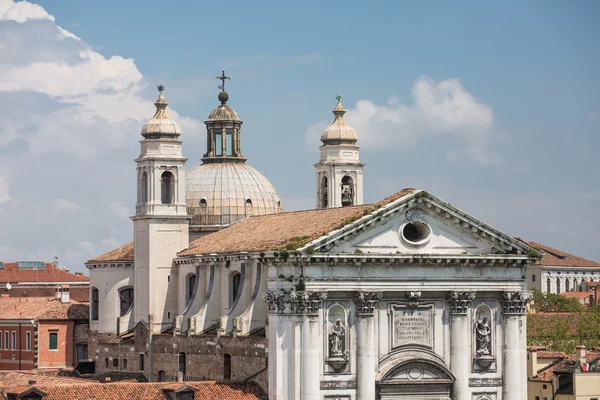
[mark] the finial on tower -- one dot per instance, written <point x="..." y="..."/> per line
<point x="223" y="96"/>
<point x="160" y="88"/>
<point x="338" y="97"/>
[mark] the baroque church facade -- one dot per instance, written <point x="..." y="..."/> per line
<point x="407" y="298"/>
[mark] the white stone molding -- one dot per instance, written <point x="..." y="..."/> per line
<point x="515" y="303"/>
<point x="460" y="302"/>
<point x="367" y="302"/>
<point x="289" y="302"/>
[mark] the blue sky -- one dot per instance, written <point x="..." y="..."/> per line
<point x="493" y="107"/>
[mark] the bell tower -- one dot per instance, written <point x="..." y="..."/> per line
<point x="161" y="221"/>
<point x="339" y="171"/>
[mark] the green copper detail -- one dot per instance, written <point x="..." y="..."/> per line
<point x="338" y="97"/>
<point x="160" y="88"/>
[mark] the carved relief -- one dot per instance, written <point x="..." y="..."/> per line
<point x="483" y="335"/>
<point x="294" y="302"/>
<point x="483" y="325"/>
<point x="515" y="302"/>
<point x="337" y="339"/>
<point x="460" y="302"/>
<point x="366" y="302"/>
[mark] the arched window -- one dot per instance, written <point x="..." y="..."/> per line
<point x="248" y="207"/>
<point x="548" y="286"/>
<point x="190" y="285"/>
<point x="234" y="287"/>
<point x="181" y="364"/>
<point x="557" y="285"/>
<point x="125" y="300"/>
<point x="324" y="192"/>
<point x="567" y="284"/>
<point x="167" y="184"/>
<point x="144" y="188"/>
<point x="347" y="191"/>
<point x="227" y="367"/>
<point x="95" y="304"/>
<point x="162" y="376"/>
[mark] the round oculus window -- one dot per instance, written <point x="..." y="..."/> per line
<point x="415" y="233"/>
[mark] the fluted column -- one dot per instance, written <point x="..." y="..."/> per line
<point x="286" y="308"/>
<point x="514" y="344"/>
<point x="460" y="356"/>
<point x="366" y="305"/>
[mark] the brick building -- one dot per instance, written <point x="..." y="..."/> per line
<point x="42" y="332"/>
<point x="40" y="279"/>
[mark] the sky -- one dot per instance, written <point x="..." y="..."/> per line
<point x="491" y="106"/>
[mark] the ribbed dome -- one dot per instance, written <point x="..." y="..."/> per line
<point x="223" y="193"/>
<point x="223" y="112"/>
<point x="161" y="124"/>
<point x="338" y="132"/>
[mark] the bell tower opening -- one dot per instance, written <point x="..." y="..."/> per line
<point x="324" y="192"/>
<point x="347" y="191"/>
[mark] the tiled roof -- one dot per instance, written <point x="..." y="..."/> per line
<point x="12" y="379"/>
<point x="42" y="308"/>
<point x="564" y="363"/>
<point x="148" y="391"/>
<point x="556" y="258"/>
<point x="576" y="295"/>
<point x="275" y="231"/>
<point x="123" y="253"/>
<point x="12" y="274"/>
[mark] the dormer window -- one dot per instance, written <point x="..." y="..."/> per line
<point x="183" y="392"/>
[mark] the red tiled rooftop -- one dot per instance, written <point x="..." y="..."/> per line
<point x="123" y="253"/>
<point x="577" y="295"/>
<point x="556" y="258"/>
<point x="12" y="379"/>
<point x="547" y="373"/>
<point x="10" y="273"/>
<point x="148" y="391"/>
<point x="42" y="308"/>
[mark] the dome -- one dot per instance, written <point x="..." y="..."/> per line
<point x="338" y="132"/>
<point x="223" y="193"/>
<point x="223" y="112"/>
<point x="161" y="124"/>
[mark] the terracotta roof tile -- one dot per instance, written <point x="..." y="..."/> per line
<point x="123" y="253"/>
<point x="561" y="364"/>
<point x="10" y="273"/>
<point x="148" y="391"/>
<point x="275" y="231"/>
<point x="42" y="308"/>
<point x="577" y="295"/>
<point x="9" y="380"/>
<point x="556" y="258"/>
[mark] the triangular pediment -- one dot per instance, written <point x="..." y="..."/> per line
<point x="419" y="224"/>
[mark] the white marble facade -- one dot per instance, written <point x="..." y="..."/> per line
<point x="439" y="321"/>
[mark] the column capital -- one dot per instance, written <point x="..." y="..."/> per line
<point x="515" y="303"/>
<point x="460" y="302"/>
<point x="366" y="302"/>
<point x="288" y="302"/>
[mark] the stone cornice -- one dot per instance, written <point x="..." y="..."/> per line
<point x="109" y="264"/>
<point x="289" y="302"/>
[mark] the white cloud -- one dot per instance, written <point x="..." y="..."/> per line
<point x="443" y="108"/>
<point x="22" y="11"/>
<point x="121" y="210"/>
<point x="66" y="205"/>
<point x="4" y="196"/>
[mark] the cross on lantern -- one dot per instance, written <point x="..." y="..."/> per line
<point x="222" y="78"/>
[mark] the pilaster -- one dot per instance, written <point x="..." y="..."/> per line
<point x="366" y="304"/>
<point x="460" y="303"/>
<point x="514" y="345"/>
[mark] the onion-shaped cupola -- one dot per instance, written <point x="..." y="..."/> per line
<point x="223" y="130"/>
<point x="338" y="132"/>
<point x="161" y="126"/>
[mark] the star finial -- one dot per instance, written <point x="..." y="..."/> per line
<point x="338" y="97"/>
<point x="160" y="88"/>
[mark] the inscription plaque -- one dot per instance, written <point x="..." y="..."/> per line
<point x="412" y="325"/>
<point x="328" y="385"/>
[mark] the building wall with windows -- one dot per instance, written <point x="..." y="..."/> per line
<point x="18" y="351"/>
<point x="55" y="344"/>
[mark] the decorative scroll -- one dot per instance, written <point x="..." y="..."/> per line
<point x="515" y="303"/>
<point x="415" y="215"/>
<point x="294" y="302"/>
<point x="366" y="302"/>
<point x="413" y="298"/>
<point x="460" y="302"/>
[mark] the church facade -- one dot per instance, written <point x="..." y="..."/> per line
<point x="408" y="298"/>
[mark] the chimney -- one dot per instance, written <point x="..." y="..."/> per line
<point x="180" y="377"/>
<point x="581" y="353"/>
<point x="62" y="294"/>
<point x="532" y="364"/>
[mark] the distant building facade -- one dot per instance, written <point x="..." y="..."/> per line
<point x="559" y="272"/>
<point x="42" y="332"/>
<point x="40" y="279"/>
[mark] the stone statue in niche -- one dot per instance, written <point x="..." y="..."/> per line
<point x="337" y="339"/>
<point x="483" y="334"/>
